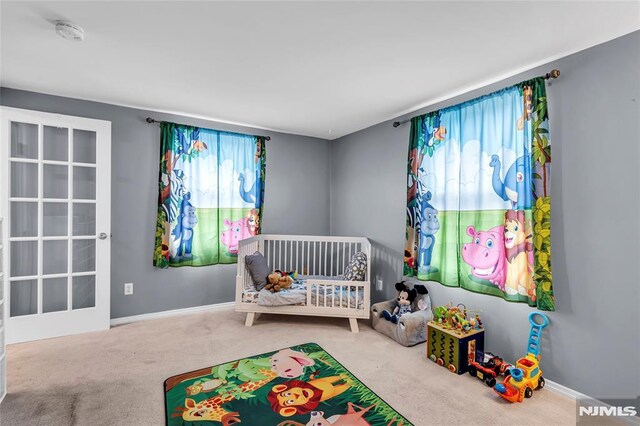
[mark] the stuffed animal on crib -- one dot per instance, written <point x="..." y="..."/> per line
<point x="403" y="303"/>
<point x="279" y="280"/>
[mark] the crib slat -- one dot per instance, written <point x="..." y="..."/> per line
<point x="333" y="296"/>
<point x="325" y="258"/>
<point x="356" y="301"/>
<point x="272" y="245"/>
<point x="286" y="265"/>
<point x="331" y="260"/>
<point x="325" y="295"/>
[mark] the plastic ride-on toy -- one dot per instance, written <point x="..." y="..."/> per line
<point x="526" y="376"/>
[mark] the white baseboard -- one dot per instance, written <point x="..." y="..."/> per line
<point x="559" y="389"/>
<point x="171" y="313"/>
<point x="563" y="390"/>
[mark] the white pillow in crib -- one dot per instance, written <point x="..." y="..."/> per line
<point x="357" y="268"/>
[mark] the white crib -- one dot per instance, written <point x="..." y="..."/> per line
<point x="315" y="256"/>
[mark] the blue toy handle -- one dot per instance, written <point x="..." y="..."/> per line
<point x="545" y="319"/>
<point x="533" y="345"/>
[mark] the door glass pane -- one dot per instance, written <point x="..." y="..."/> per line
<point x="54" y="219"/>
<point x="54" y="294"/>
<point x="84" y="292"/>
<point x="84" y="255"/>
<point x="84" y="219"/>
<point x="24" y="140"/>
<point x="55" y="181"/>
<point x="54" y="257"/>
<point x="84" y="183"/>
<point x="24" y="180"/>
<point x="84" y="146"/>
<point x="24" y="219"/>
<point x="24" y="258"/>
<point x="55" y="143"/>
<point x="24" y="297"/>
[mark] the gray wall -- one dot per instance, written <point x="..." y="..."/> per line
<point x="296" y="202"/>
<point x="592" y="344"/>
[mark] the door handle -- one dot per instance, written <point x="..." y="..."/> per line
<point x="102" y="236"/>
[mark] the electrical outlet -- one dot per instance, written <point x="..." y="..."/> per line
<point x="128" y="289"/>
<point x="379" y="284"/>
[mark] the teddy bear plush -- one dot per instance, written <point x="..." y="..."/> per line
<point x="279" y="280"/>
<point x="406" y="296"/>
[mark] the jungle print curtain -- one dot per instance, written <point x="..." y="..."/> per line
<point x="478" y="199"/>
<point x="211" y="191"/>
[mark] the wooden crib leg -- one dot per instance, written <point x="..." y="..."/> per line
<point x="250" y="317"/>
<point x="354" y="325"/>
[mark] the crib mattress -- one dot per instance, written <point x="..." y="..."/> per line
<point x="321" y="295"/>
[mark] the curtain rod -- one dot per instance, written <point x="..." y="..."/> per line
<point x="555" y="73"/>
<point x="152" y="121"/>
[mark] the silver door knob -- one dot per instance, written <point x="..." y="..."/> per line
<point x="102" y="236"/>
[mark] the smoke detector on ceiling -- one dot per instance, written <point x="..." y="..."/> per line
<point x="69" y="30"/>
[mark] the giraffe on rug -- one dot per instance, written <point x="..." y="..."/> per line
<point x="211" y="409"/>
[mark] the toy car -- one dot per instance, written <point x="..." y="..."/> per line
<point x="488" y="370"/>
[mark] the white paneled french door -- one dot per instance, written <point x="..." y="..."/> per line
<point x="3" y="353"/>
<point x="55" y="180"/>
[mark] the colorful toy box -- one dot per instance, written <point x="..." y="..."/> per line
<point x="453" y="348"/>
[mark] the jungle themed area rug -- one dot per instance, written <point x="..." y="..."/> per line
<point x="297" y="386"/>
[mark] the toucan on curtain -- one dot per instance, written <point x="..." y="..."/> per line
<point x="478" y="200"/>
<point x="211" y="191"/>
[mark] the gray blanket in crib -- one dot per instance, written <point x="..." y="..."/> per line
<point x="297" y="294"/>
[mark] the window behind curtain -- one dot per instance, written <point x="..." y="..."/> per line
<point x="211" y="190"/>
<point x="478" y="199"/>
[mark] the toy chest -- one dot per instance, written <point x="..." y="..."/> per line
<point x="452" y="348"/>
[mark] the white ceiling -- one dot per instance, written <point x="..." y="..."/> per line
<point x="324" y="69"/>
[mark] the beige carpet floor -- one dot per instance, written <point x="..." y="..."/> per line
<point x="115" y="377"/>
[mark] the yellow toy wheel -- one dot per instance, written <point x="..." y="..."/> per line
<point x="452" y="368"/>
